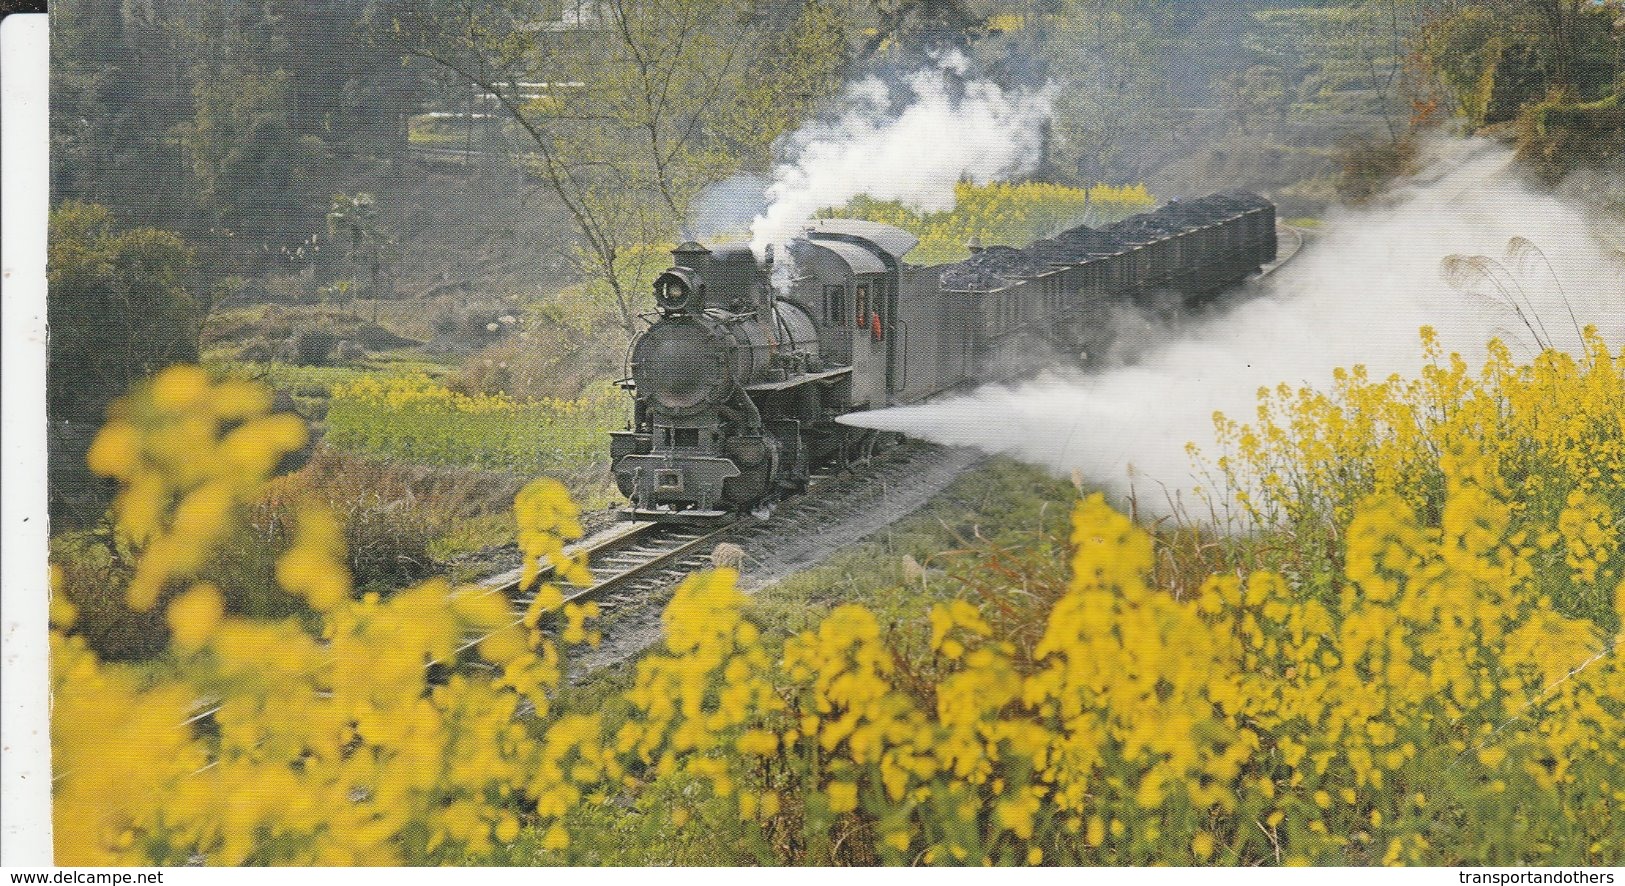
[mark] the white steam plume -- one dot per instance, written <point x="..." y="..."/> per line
<point x="947" y="129"/>
<point x="726" y="207"/>
<point x="1357" y="296"/>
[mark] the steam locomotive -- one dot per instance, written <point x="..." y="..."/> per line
<point x="737" y="384"/>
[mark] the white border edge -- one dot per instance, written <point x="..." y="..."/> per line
<point x="25" y="762"/>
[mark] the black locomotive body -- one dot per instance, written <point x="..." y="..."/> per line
<point x="738" y="383"/>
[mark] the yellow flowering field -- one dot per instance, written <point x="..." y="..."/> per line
<point x="1001" y="214"/>
<point x="1427" y="699"/>
<point x="1547" y="438"/>
<point x="415" y="419"/>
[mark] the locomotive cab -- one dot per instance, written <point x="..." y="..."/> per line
<point x="853" y="271"/>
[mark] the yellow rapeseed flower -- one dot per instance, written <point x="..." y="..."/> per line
<point x="194" y="615"/>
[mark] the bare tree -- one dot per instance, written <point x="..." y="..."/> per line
<point x="626" y="109"/>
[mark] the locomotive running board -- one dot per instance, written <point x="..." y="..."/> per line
<point x="802" y="379"/>
<point x="688" y="516"/>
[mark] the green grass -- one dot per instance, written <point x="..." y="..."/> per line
<point x="1002" y="506"/>
<point x="416" y="420"/>
<point x="426" y="130"/>
<point x="311" y="387"/>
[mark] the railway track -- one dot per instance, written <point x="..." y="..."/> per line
<point x="627" y="560"/>
<point x="1290" y="241"/>
<point x="801" y="533"/>
<point x="636" y="565"/>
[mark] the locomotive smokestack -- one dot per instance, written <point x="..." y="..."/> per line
<point x="691" y="254"/>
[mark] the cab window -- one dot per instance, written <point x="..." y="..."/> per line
<point x="835" y="305"/>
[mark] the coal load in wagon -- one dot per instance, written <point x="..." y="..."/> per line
<point x="993" y="267"/>
<point x="1139" y="230"/>
<point x="1052" y="254"/>
<point x="997" y="267"/>
<point x="1084" y="244"/>
<point x="1220" y="207"/>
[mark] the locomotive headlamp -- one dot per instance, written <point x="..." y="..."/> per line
<point x="680" y="290"/>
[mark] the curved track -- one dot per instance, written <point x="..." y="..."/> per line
<point x="637" y="565"/>
<point x="1289" y="241"/>
<point x="800" y="534"/>
<point x="625" y="559"/>
<point x="630" y="560"/>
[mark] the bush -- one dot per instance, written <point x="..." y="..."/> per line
<point x="544" y="362"/>
<point x="393" y="514"/>
<point x="467" y="327"/>
<point x="1556" y="136"/>
<point x="1369" y="165"/>
<point x="324" y="740"/>
<point x="91" y="575"/>
<point x="1497" y="62"/>
<point x="1412" y="720"/>
<point x="122" y="306"/>
<point x="313" y="347"/>
<point x="396" y="520"/>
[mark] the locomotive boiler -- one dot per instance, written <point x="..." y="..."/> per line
<point x="737" y="383"/>
<point x="731" y="389"/>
